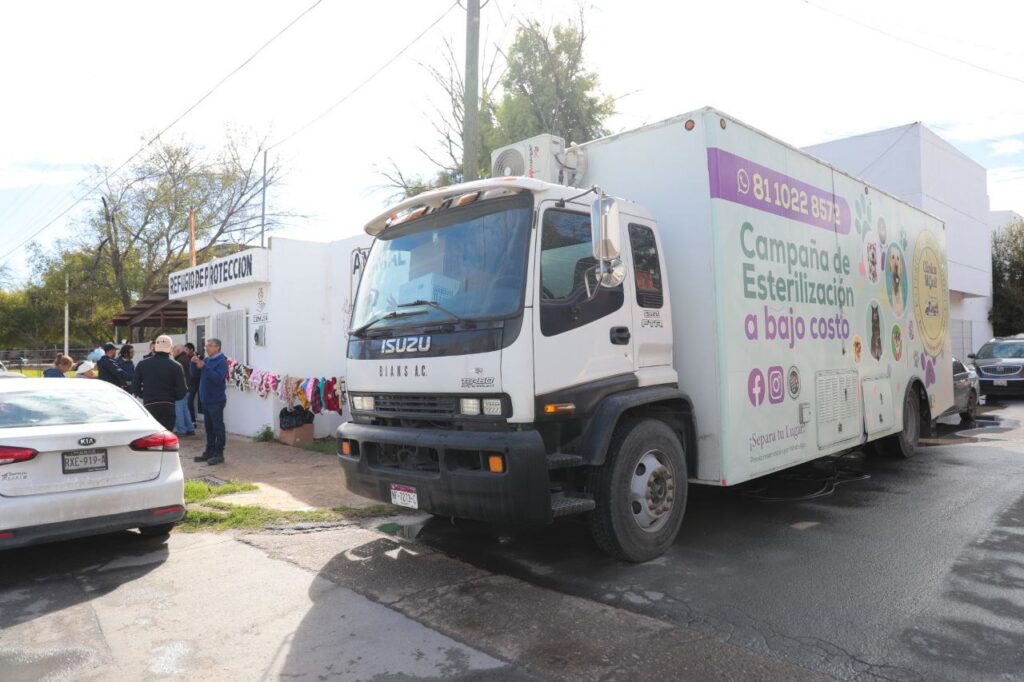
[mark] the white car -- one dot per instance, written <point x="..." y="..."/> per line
<point x="82" y="457"/>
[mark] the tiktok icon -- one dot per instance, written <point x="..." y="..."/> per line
<point x="755" y="387"/>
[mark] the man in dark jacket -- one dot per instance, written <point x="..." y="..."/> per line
<point x="108" y="369"/>
<point x="213" y="396"/>
<point x="160" y="382"/>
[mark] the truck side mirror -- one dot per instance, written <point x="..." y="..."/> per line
<point x="972" y="356"/>
<point x="606" y="236"/>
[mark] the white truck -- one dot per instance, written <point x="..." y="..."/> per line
<point x="528" y="346"/>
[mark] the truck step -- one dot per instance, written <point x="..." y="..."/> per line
<point x="560" y="460"/>
<point x="566" y="506"/>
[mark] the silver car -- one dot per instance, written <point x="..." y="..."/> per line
<point x="1000" y="366"/>
<point x="965" y="393"/>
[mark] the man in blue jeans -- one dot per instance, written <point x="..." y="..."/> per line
<point x="213" y="379"/>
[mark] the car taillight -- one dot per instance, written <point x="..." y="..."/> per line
<point x="10" y="455"/>
<point x="165" y="441"/>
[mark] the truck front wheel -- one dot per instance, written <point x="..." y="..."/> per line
<point x="640" y="492"/>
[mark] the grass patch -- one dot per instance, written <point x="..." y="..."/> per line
<point x="201" y="491"/>
<point x="368" y="512"/>
<point x="221" y="516"/>
<point x="325" y="446"/>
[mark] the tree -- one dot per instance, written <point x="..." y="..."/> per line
<point x="140" y="233"/>
<point x="1007" y="314"/>
<point x="134" y="236"/>
<point x="543" y="87"/>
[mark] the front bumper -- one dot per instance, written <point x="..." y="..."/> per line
<point x="434" y="462"/>
<point x="65" y="530"/>
<point x="1014" y="386"/>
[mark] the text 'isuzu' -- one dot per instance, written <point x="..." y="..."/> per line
<point x="599" y="326"/>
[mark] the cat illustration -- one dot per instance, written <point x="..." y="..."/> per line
<point x="876" y="333"/>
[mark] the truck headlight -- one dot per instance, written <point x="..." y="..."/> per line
<point x="363" y="402"/>
<point x="469" y="406"/>
<point x="492" y="407"/>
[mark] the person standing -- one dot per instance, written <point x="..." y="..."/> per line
<point x="152" y="350"/>
<point x="183" y="425"/>
<point x="125" y="361"/>
<point x="108" y="369"/>
<point x="192" y="374"/>
<point x="61" y="365"/>
<point x="160" y="382"/>
<point x="213" y="397"/>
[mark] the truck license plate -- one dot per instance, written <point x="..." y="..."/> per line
<point x="999" y="382"/>
<point x="83" y="461"/>
<point x="404" y="496"/>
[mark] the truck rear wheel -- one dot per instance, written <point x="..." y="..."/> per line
<point x="904" y="444"/>
<point x="640" y="492"/>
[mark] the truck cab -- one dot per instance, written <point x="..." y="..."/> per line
<point x="507" y="334"/>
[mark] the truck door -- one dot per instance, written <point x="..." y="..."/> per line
<point x="578" y="339"/>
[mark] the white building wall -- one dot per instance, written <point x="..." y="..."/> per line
<point x="306" y="302"/>
<point x="245" y="412"/>
<point x="921" y="168"/>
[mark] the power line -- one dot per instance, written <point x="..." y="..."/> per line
<point x="919" y="46"/>
<point x="369" y="78"/>
<point x="170" y="125"/>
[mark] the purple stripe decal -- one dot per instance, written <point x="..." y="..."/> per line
<point x="742" y="181"/>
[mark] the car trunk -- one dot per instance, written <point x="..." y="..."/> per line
<point x="68" y="461"/>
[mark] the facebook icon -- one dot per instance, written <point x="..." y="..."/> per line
<point x="755" y="387"/>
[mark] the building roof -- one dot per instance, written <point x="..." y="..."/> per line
<point x="153" y="310"/>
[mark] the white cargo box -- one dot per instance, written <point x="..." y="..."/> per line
<point x="804" y="301"/>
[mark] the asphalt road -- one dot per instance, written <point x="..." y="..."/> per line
<point x="913" y="573"/>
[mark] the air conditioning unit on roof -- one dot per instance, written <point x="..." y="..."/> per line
<point x="538" y="157"/>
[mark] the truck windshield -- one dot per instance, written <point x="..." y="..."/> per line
<point x="455" y="265"/>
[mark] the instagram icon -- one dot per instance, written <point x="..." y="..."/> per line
<point x="776" y="385"/>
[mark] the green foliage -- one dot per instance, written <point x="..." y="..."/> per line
<point x="1007" y="314"/>
<point x="219" y="516"/>
<point x="546" y="88"/>
<point x="264" y="435"/>
<point x="200" y="491"/>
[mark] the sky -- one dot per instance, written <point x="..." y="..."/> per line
<point x="86" y="84"/>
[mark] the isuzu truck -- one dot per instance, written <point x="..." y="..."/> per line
<point x="599" y="326"/>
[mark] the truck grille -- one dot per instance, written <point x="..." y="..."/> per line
<point x="415" y="404"/>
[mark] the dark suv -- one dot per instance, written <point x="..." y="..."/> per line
<point x="1000" y="366"/>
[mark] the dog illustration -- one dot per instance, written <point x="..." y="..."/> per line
<point x="896" y="272"/>
<point x="872" y="262"/>
<point x="876" y="333"/>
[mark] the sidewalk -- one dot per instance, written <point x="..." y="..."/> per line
<point x="289" y="478"/>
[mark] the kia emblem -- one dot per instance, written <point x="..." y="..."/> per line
<point x="86" y="441"/>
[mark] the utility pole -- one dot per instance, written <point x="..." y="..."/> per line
<point x="192" y="234"/>
<point x="471" y="95"/>
<point x="67" y="289"/>
<point x="263" y="202"/>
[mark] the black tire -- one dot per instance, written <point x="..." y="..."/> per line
<point x="643" y="455"/>
<point x="904" y="444"/>
<point x="970" y="415"/>
<point x="161" y="531"/>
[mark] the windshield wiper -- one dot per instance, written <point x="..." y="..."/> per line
<point x="432" y="304"/>
<point x="394" y="314"/>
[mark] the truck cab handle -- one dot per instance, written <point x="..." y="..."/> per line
<point x="620" y="336"/>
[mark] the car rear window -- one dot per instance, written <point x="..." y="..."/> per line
<point x="41" y="407"/>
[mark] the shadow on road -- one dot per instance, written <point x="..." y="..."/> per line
<point x="43" y="579"/>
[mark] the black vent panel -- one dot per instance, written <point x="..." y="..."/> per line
<point x="417" y="404"/>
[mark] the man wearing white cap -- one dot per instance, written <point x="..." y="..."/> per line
<point x="160" y="382"/>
